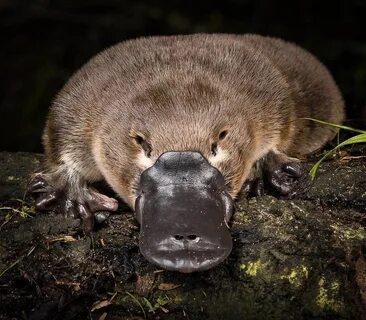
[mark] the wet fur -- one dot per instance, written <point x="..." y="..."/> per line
<point x="179" y="93"/>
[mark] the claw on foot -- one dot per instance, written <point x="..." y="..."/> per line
<point x="282" y="174"/>
<point x="285" y="177"/>
<point x="93" y="207"/>
<point x="38" y="185"/>
<point x="100" y="202"/>
<point x="254" y="187"/>
<point x="87" y="218"/>
<point x="47" y="201"/>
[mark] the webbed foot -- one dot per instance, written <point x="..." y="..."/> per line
<point x="253" y="187"/>
<point x="91" y="207"/>
<point x="277" y="172"/>
<point x="283" y="174"/>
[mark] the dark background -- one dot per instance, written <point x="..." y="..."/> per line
<point x="44" y="41"/>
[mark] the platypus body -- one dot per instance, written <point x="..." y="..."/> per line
<point x="177" y="126"/>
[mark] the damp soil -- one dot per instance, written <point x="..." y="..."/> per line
<point x="302" y="258"/>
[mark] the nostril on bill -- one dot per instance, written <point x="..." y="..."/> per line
<point x="190" y="237"/>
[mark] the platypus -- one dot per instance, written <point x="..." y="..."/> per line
<point x="178" y="126"/>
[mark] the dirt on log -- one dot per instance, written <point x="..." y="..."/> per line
<point x="292" y="259"/>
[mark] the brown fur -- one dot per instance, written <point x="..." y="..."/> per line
<point x="179" y="93"/>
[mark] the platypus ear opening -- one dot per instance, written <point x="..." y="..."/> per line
<point x="214" y="148"/>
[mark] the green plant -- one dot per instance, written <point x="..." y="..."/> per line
<point x="359" y="138"/>
<point x="137" y="302"/>
<point x="160" y="302"/>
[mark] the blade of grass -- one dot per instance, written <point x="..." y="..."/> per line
<point x="339" y="126"/>
<point x="17" y="261"/>
<point x="11" y="266"/>
<point x="360" y="138"/>
<point x="149" y="305"/>
<point x="138" y="302"/>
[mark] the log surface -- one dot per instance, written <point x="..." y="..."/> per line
<point x="292" y="259"/>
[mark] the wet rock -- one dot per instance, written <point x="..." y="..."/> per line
<point x="15" y="169"/>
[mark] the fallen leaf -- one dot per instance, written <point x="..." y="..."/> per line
<point x="75" y="285"/>
<point x="103" y="316"/>
<point x="100" y="304"/>
<point x="349" y="158"/>
<point x="63" y="239"/>
<point x="144" y="284"/>
<point x="164" y="309"/>
<point x="168" y="286"/>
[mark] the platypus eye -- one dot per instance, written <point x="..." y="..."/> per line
<point x="144" y="145"/>
<point x="221" y="136"/>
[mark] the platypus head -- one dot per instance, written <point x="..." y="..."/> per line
<point x="183" y="209"/>
<point x="180" y="162"/>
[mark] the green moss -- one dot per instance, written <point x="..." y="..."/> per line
<point x="357" y="234"/>
<point x="328" y="295"/>
<point x="253" y="267"/>
<point x="297" y="276"/>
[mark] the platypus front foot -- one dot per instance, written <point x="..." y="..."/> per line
<point x="278" y="172"/>
<point x="91" y="207"/>
<point x="253" y="187"/>
<point x="284" y="177"/>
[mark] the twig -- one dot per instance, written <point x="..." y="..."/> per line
<point x="17" y="261"/>
<point x="17" y="211"/>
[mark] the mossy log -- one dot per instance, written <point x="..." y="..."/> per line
<point x="292" y="259"/>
